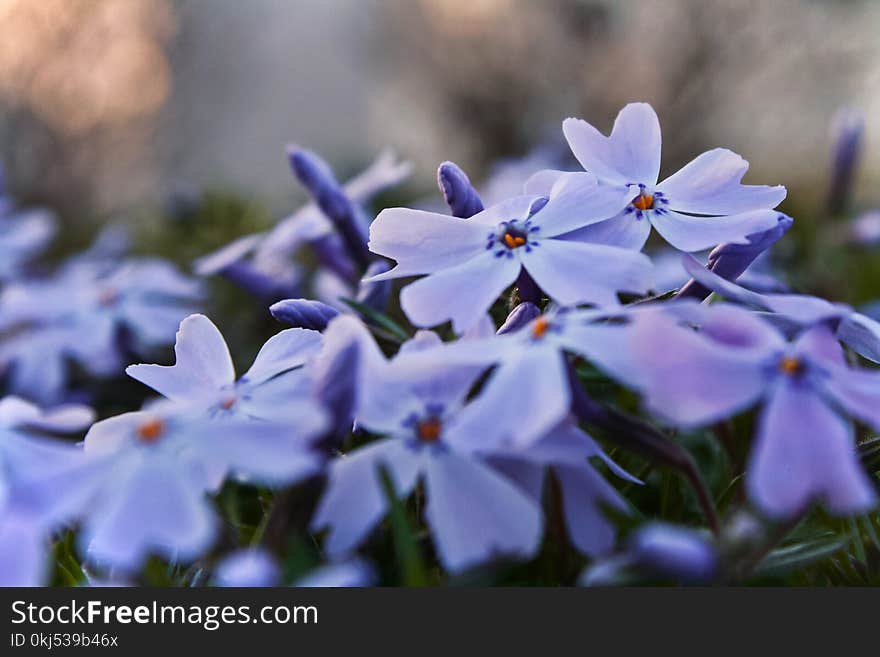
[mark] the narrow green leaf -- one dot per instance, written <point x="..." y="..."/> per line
<point x="377" y="318"/>
<point x="405" y="540"/>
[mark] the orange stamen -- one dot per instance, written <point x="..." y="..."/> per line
<point x="644" y="202"/>
<point x="513" y="241"/>
<point x="429" y="430"/>
<point x="227" y="403"/>
<point x="150" y="431"/>
<point x="790" y="365"/>
<point x="539" y="328"/>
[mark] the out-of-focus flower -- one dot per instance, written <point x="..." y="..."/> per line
<point x="152" y="470"/>
<point x="856" y="330"/>
<point x="698" y="207"/>
<point x="475" y="513"/>
<point x="248" y="567"/>
<point x="351" y="573"/>
<point x="865" y="228"/>
<point x="275" y="388"/>
<point x="32" y="503"/>
<point x="565" y="451"/>
<point x="660" y="550"/>
<point x="268" y="256"/>
<point x="93" y="313"/>
<point x="488" y="251"/>
<point x="804" y="450"/>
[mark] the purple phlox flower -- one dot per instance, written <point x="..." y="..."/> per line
<point x="350" y="573"/>
<point x="91" y="315"/>
<point x="732" y="260"/>
<point x="153" y="469"/>
<point x="275" y="388"/>
<point x="847" y="133"/>
<point x="487" y="252"/>
<point x="565" y="451"/>
<point x="797" y="311"/>
<point x="31" y="501"/>
<point x="696" y="208"/>
<point x="303" y="313"/>
<point x="530" y="367"/>
<point x="458" y="192"/>
<point x="247" y="567"/>
<point x="659" y="550"/>
<point x="804" y="449"/>
<point x="475" y="513"/>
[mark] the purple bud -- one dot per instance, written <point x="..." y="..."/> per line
<point x="519" y="317"/>
<point x="730" y="260"/>
<point x="335" y="386"/>
<point x="669" y="551"/>
<point x="303" y="313"/>
<point x="257" y="283"/>
<point x="847" y="128"/>
<point x="528" y="289"/>
<point x="316" y="176"/>
<point x="376" y="294"/>
<point x="332" y="255"/>
<point x="460" y="195"/>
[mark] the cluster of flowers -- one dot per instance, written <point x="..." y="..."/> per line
<point x="474" y="423"/>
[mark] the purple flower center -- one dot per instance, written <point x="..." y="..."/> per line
<point x="512" y="235"/>
<point x="429" y="429"/>
<point x="791" y="366"/>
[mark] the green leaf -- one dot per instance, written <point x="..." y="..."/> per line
<point x="799" y="555"/>
<point x="405" y="540"/>
<point x="377" y="318"/>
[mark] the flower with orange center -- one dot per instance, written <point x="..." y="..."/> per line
<point x="513" y="241"/>
<point x="644" y="202"/>
<point x="540" y="327"/>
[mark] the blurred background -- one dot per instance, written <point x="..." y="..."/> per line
<point x="111" y="107"/>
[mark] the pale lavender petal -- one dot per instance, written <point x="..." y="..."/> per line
<point x="690" y="233"/>
<point x="856" y="391"/>
<point x="575" y="272"/>
<point x="804" y="453"/>
<point x="861" y="334"/>
<point x="524" y="398"/>
<point x="624" y="231"/>
<point x="578" y="200"/>
<point x="711" y="184"/>
<point x="476" y="515"/>
<point x="439" y="297"/>
<point x="353" y="573"/>
<point x="283" y="351"/>
<point x="235" y="251"/>
<point x="151" y="507"/>
<point x="202" y="363"/>
<point x="247" y="567"/>
<point x="584" y="493"/>
<point x="424" y="242"/>
<point x="631" y="154"/>
<point x="355" y="500"/>
<point x="23" y="552"/>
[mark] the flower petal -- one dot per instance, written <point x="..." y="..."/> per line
<point x="283" y="351"/>
<point x="354" y="500"/>
<point x="577" y="200"/>
<point x="462" y="293"/>
<point x="688" y="233"/>
<point x="805" y="452"/>
<point x="710" y="184"/>
<point x="424" y="242"/>
<point x="631" y="154"/>
<point x="202" y="363"/>
<point x="477" y="515"/>
<point x="575" y="272"/>
<point x="624" y="231"/>
<point x="584" y="493"/>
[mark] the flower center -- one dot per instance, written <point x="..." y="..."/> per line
<point x="429" y="430"/>
<point x="540" y="327"/>
<point x="108" y="297"/>
<point x="644" y="202"/>
<point x="228" y="403"/>
<point x="512" y="240"/>
<point x="791" y="365"/>
<point x="150" y="431"/>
